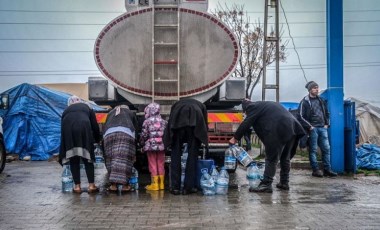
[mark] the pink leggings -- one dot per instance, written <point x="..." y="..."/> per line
<point x="156" y="161"/>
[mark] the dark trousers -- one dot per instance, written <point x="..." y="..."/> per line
<point x="180" y="136"/>
<point x="275" y="152"/>
<point x="75" y="169"/>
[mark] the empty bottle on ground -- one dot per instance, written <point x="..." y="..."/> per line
<point x="207" y="183"/>
<point x="221" y="185"/>
<point x="134" y="180"/>
<point x="229" y="159"/>
<point x="253" y="175"/>
<point x="67" y="179"/>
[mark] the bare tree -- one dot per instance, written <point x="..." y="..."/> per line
<point x="250" y="38"/>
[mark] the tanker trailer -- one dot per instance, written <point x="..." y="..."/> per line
<point x="166" y="50"/>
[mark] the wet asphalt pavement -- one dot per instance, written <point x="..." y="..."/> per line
<point x="31" y="198"/>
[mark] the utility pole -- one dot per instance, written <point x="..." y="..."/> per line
<point x="273" y="10"/>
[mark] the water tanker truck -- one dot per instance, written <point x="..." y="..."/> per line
<point x="164" y="50"/>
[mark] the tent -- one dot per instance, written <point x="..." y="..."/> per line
<point x="32" y="123"/>
<point x="369" y="120"/>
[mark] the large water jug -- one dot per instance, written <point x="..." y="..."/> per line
<point x="67" y="179"/>
<point x="221" y="185"/>
<point x="261" y="167"/>
<point x="83" y="175"/>
<point x="241" y="155"/>
<point x="207" y="183"/>
<point x="134" y="180"/>
<point x="253" y="175"/>
<point x="99" y="158"/>
<point x="229" y="159"/>
<point x="184" y="156"/>
<point x="214" y="173"/>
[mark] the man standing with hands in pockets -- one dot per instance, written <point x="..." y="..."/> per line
<point x="315" y="118"/>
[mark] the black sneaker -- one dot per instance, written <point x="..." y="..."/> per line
<point x="282" y="186"/>
<point x="317" y="173"/>
<point x="262" y="187"/>
<point x="329" y="173"/>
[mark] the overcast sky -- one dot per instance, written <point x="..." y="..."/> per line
<point x="52" y="41"/>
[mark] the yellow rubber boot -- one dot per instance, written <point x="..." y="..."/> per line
<point x="154" y="184"/>
<point x="162" y="182"/>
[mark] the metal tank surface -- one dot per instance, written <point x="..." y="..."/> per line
<point x="142" y="51"/>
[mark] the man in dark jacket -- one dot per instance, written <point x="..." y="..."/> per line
<point x="279" y="131"/>
<point x="314" y="117"/>
<point x="187" y="124"/>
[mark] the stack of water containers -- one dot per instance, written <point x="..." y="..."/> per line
<point x="67" y="179"/>
<point x="134" y="180"/>
<point x="253" y="175"/>
<point x="221" y="184"/>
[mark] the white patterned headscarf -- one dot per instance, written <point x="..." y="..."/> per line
<point x="118" y="108"/>
<point x="73" y="100"/>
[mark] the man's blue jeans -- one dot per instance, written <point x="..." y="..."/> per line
<point x="319" y="137"/>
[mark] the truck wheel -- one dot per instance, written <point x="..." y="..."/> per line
<point x="2" y="155"/>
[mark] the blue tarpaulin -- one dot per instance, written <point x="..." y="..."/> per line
<point x="32" y="124"/>
<point x="368" y="157"/>
<point x="290" y="105"/>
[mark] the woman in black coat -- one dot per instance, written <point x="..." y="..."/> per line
<point x="187" y="124"/>
<point x="279" y="131"/>
<point x="79" y="131"/>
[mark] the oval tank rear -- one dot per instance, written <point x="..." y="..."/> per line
<point x="126" y="52"/>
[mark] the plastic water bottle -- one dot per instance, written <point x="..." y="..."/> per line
<point x="214" y="173"/>
<point x="207" y="183"/>
<point x="253" y="175"/>
<point x="229" y="159"/>
<point x="261" y="167"/>
<point x="67" y="179"/>
<point x="99" y="159"/>
<point x="221" y="185"/>
<point x="134" y="180"/>
<point x="184" y="156"/>
<point x="241" y="155"/>
<point x="83" y="175"/>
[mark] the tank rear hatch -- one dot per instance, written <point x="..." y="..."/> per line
<point x="124" y="52"/>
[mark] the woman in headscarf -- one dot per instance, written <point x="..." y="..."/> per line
<point x="151" y="138"/>
<point x="120" y="146"/>
<point x="79" y="131"/>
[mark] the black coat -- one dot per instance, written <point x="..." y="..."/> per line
<point x="78" y="129"/>
<point x="273" y="124"/>
<point x="305" y="112"/>
<point x="187" y="113"/>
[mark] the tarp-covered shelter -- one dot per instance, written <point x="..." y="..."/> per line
<point x="32" y="123"/>
<point x="369" y="120"/>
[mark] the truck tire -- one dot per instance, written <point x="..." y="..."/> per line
<point x="2" y="155"/>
